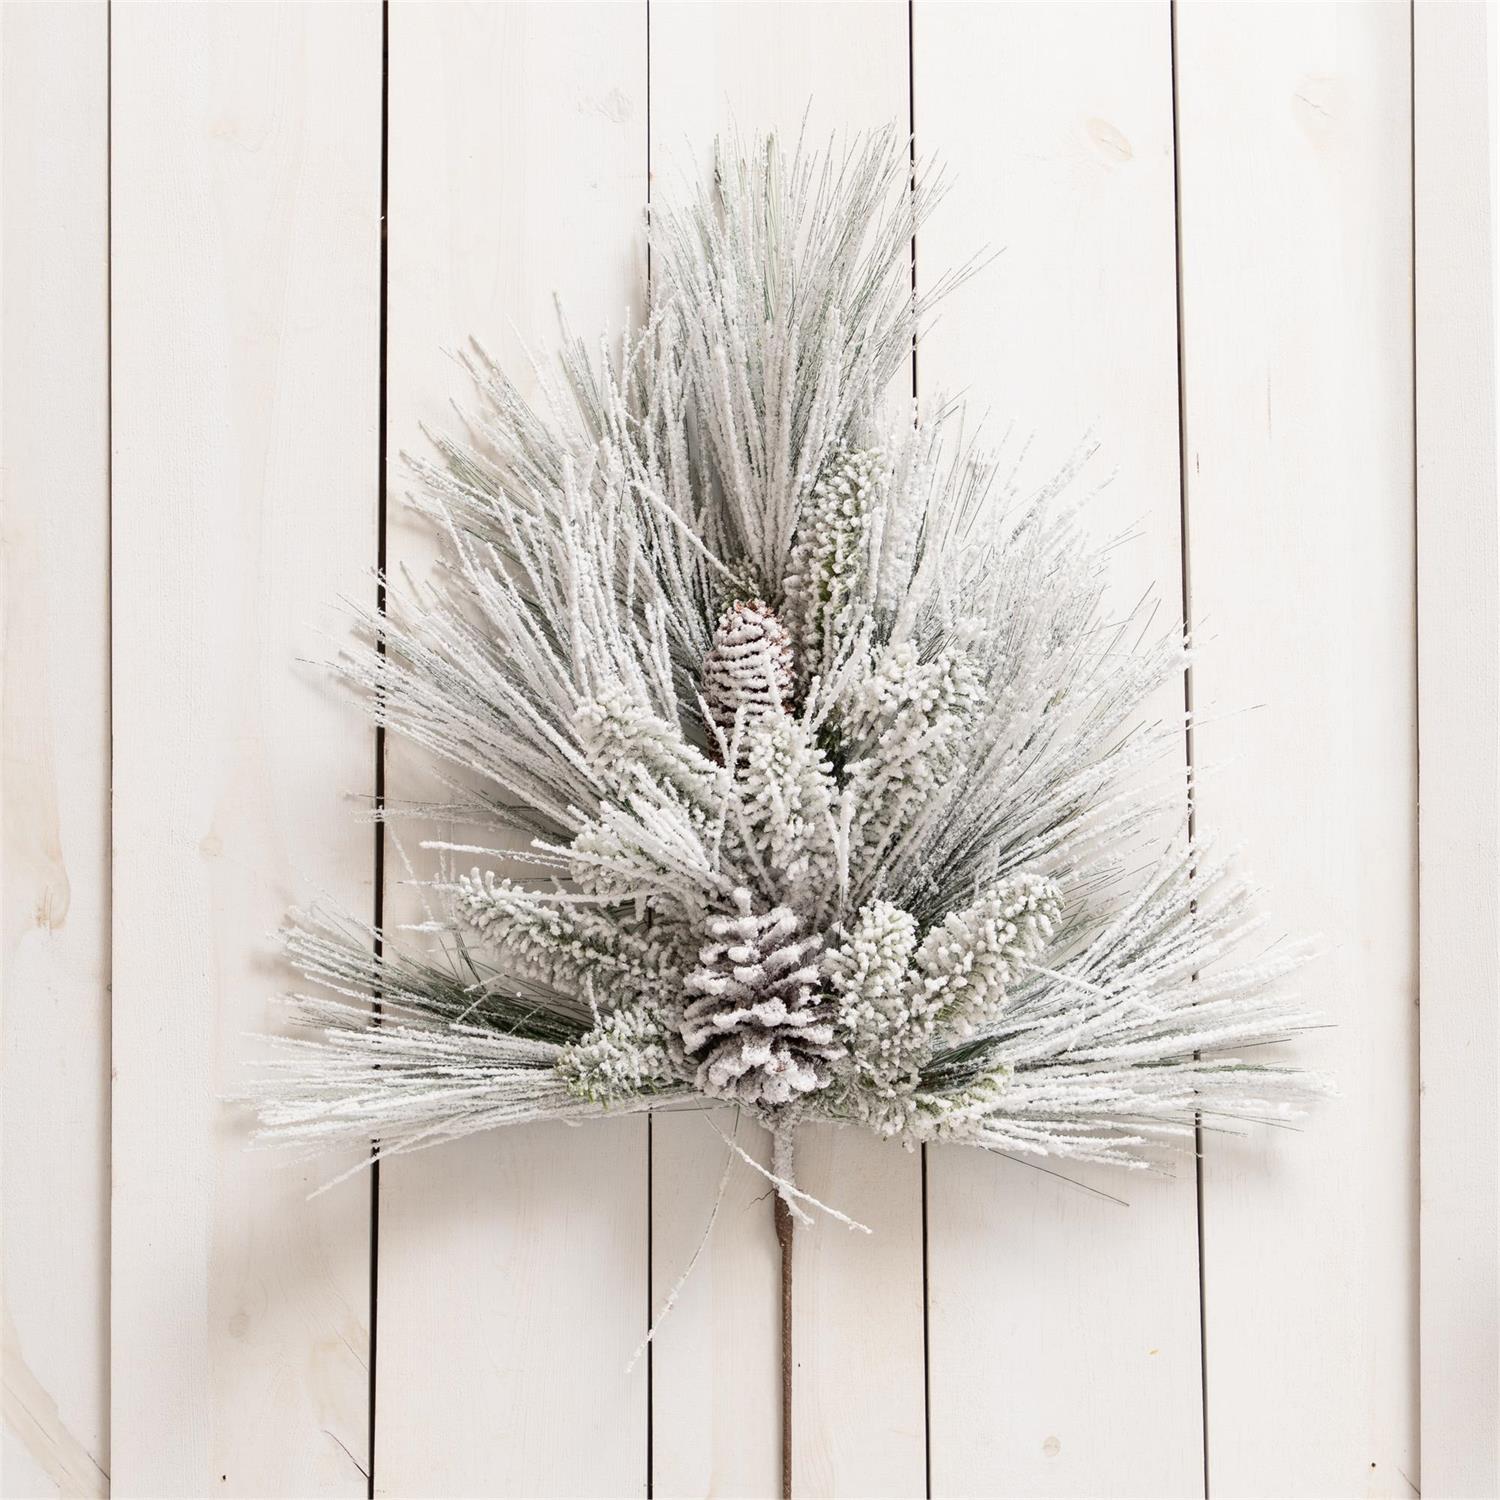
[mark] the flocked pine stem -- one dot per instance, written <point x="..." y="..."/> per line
<point x="783" y="1168"/>
<point x="830" y="770"/>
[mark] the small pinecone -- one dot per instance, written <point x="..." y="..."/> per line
<point x="749" y="665"/>
<point x="756" y="1024"/>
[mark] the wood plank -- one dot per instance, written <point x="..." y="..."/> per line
<point x="858" y="1384"/>
<point x="1458" y="669"/>
<point x="1063" y="1327"/>
<point x="1295" y="132"/>
<point x="54" y="433"/>
<point x="245" y="293"/>
<point x="716" y="1360"/>
<point x="517" y="169"/>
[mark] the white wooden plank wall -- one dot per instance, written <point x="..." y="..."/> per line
<point x="54" y="887"/>
<point x="211" y="363"/>
<point x="517" y="168"/>
<point x="1063" y="1324"/>
<point x="245" y="380"/>
<point x="1455" y="49"/>
<point x="1295" y="195"/>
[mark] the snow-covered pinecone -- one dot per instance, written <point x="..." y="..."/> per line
<point x="756" y="1024"/>
<point x="749" y="666"/>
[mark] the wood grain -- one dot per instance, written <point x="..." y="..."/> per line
<point x="1063" y="1324"/>
<point x="54" y="870"/>
<point x="245" y="376"/>
<point x="512" y="1267"/>
<point x="1458" y="669"/>
<point x="1297" y="339"/>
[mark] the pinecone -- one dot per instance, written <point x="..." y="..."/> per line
<point x="749" y="665"/>
<point x="756" y="1024"/>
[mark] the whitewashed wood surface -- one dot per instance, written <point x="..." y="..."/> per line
<point x="1246" y="248"/>
<point x="1456" y="50"/>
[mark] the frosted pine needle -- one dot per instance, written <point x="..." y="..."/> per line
<point x="837" y="775"/>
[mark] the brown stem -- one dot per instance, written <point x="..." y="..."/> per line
<point x="781" y="1165"/>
